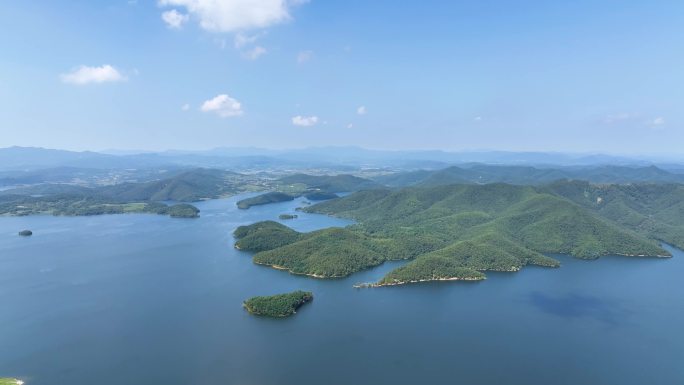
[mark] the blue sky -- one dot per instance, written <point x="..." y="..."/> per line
<point x="602" y="76"/>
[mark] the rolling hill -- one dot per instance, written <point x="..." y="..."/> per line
<point x="450" y="232"/>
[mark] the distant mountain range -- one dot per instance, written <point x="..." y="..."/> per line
<point x="339" y="158"/>
<point x="526" y="175"/>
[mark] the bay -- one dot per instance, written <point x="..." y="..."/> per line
<point x="145" y="299"/>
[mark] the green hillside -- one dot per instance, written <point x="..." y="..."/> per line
<point x="480" y="227"/>
<point x="330" y="183"/>
<point x="527" y="175"/>
<point x="263" y="236"/>
<point x="263" y="199"/>
<point x="327" y="253"/>
<point x="77" y="205"/>
<point x="655" y="210"/>
<point x="189" y="186"/>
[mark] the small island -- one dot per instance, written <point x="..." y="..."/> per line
<point x="10" y="381"/>
<point x="271" y="197"/>
<point x="183" y="210"/>
<point x="287" y="216"/>
<point x="25" y="233"/>
<point x="278" y="306"/>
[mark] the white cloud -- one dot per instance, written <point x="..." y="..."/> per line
<point x="659" y="121"/>
<point x="174" y="19"/>
<point x="254" y="53"/>
<point x="223" y="105"/>
<point x="305" y="121"/>
<point x="477" y="118"/>
<point x="304" y="56"/>
<point x="236" y="15"/>
<point x="350" y="125"/>
<point x="185" y="107"/>
<point x="242" y="40"/>
<point x="361" y="110"/>
<point x="87" y="75"/>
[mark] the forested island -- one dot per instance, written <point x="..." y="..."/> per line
<point x="270" y="197"/>
<point x="278" y="306"/>
<point x="457" y="232"/>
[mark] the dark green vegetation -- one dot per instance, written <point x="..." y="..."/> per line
<point x="187" y="186"/>
<point x="320" y="196"/>
<point x="270" y="197"/>
<point x="26" y="233"/>
<point x="330" y="183"/>
<point x="69" y="199"/>
<point x="452" y="232"/>
<point x="69" y="205"/>
<point x="654" y="210"/>
<point x="287" y="216"/>
<point x="280" y="305"/>
<point x="183" y="210"/>
<point x="332" y="252"/>
<point x="263" y="236"/>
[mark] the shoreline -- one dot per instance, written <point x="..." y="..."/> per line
<point x="278" y="267"/>
<point x="399" y="283"/>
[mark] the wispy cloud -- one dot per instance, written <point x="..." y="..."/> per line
<point x="240" y="40"/>
<point x="88" y="75"/>
<point x="305" y="121"/>
<point x="174" y="19"/>
<point x="304" y="56"/>
<point x="657" y="122"/>
<point x="361" y="110"/>
<point x="223" y="105"/>
<point x="254" y="53"/>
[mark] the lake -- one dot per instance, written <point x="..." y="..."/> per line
<point x="145" y="299"/>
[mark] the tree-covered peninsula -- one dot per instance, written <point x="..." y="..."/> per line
<point x="320" y="196"/>
<point x="270" y="197"/>
<point x="449" y="232"/>
<point x="278" y="306"/>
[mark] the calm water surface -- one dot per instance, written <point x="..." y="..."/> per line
<point x="144" y="299"/>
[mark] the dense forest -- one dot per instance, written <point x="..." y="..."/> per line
<point x="280" y="305"/>
<point x="320" y="196"/>
<point x="269" y="197"/>
<point x="450" y="232"/>
<point x="654" y="210"/>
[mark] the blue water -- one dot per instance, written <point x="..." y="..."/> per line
<point x="145" y="299"/>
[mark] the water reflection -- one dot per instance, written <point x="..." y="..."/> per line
<point x="573" y="305"/>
